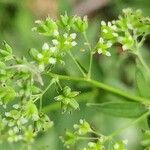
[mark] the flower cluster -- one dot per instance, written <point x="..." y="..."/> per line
<point x="67" y="100"/>
<point x="83" y="131"/>
<point x="94" y="146"/>
<point x="20" y="119"/>
<point x="127" y="30"/>
<point x="82" y="128"/>
<point x="62" y="41"/>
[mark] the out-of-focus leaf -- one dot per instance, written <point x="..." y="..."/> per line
<point x="125" y="109"/>
<point x="142" y="85"/>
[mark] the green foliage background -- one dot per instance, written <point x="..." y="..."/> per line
<point x="16" y="21"/>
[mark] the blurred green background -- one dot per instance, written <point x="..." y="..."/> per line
<point x="16" y="20"/>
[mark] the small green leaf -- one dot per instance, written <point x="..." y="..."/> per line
<point x="125" y="109"/>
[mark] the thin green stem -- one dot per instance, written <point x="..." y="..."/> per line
<point x="91" y="55"/>
<point x="104" y="87"/>
<point x="117" y="132"/>
<point x="81" y="70"/>
<point x="99" y="135"/>
<point x="87" y="41"/>
<point x="87" y="138"/>
<point x="41" y="104"/>
<point x="49" y="85"/>
<point x="90" y="66"/>
<point x="40" y="96"/>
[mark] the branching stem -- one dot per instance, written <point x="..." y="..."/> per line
<point x="104" y="87"/>
<point x="81" y="70"/>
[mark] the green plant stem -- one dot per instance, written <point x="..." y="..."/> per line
<point x="81" y="70"/>
<point x="117" y="132"/>
<point x="49" y="85"/>
<point x="90" y="66"/>
<point x="104" y="87"/>
<point x="87" y="138"/>
<point x="41" y="95"/>
<point x="88" y="96"/>
<point x="91" y="55"/>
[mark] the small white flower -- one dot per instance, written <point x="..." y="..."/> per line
<point x="19" y="137"/>
<point x="105" y="31"/>
<point x="109" y="44"/>
<point x="124" y="47"/>
<point x="73" y="35"/>
<point x="108" y="54"/>
<point x="109" y="24"/>
<point x="73" y="43"/>
<point x="75" y="126"/>
<point x="52" y="60"/>
<point x="55" y="42"/>
<point x="38" y="21"/>
<point x="45" y="46"/>
<point x="100" y="51"/>
<point x="101" y="40"/>
<point x="103" y="23"/>
<point x="40" y="56"/>
<point x="7" y="114"/>
<point x="65" y="35"/>
<point x="23" y="120"/>
<point x="129" y="26"/>
<point x="16" y="130"/>
<point x="16" y="106"/>
<point x="10" y="124"/>
<point x="81" y="121"/>
<point x="56" y="33"/>
<point x="34" y="29"/>
<point x="113" y="22"/>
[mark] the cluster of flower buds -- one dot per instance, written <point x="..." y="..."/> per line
<point x="67" y="100"/>
<point x="83" y="131"/>
<point x="126" y="30"/>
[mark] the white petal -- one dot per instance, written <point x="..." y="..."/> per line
<point x="56" y="33"/>
<point x="40" y="55"/>
<point x="103" y="23"/>
<point x="73" y="35"/>
<point x="55" y="42"/>
<point x="108" y="54"/>
<point x="45" y="46"/>
<point x="65" y="35"/>
<point x="52" y="60"/>
<point x="74" y="43"/>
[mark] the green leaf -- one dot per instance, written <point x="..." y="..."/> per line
<point x="125" y="109"/>
<point x="142" y="85"/>
<point x="8" y="47"/>
<point x="7" y="94"/>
